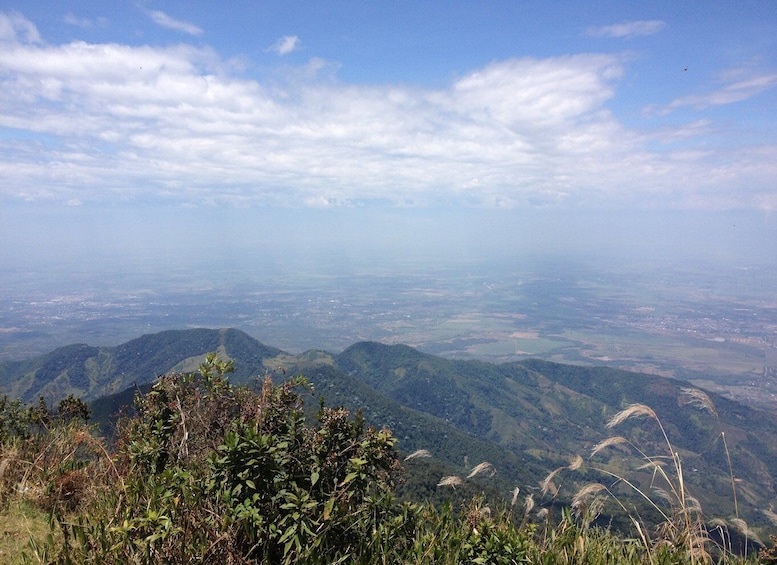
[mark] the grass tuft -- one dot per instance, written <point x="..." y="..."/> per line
<point x="482" y="468"/>
<point x="633" y="411"/>
<point x="450" y="481"/>
<point x="418" y="453"/>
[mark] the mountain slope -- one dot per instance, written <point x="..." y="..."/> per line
<point x="91" y="372"/>
<point x="547" y="412"/>
<point x="526" y="418"/>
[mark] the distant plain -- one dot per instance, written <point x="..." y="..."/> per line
<point x="708" y="319"/>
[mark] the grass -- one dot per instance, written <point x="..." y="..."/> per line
<point x="23" y="526"/>
<point x="682" y="521"/>
<point x="33" y="519"/>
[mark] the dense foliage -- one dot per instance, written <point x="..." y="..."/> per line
<point x="205" y="471"/>
<point x="524" y="417"/>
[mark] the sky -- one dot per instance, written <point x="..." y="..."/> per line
<point x="128" y="125"/>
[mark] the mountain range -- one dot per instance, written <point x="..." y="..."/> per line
<point x="526" y="418"/>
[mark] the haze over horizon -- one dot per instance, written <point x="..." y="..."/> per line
<point x="351" y="137"/>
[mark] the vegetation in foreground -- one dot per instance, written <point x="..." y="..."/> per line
<point x="204" y="471"/>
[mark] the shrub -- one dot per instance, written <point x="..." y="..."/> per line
<point x="216" y="473"/>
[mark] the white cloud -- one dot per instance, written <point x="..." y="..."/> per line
<point x="16" y="28"/>
<point x="627" y="29"/>
<point x="737" y="91"/>
<point x="285" y="45"/>
<point x="73" y="20"/>
<point x="114" y="122"/>
<point x="85" y="23"/>
<point x="162" y="19"/>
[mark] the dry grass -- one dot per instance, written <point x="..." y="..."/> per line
<point x="45" y="477"/>
<point x="548" y="486"/>
<point x="633" y="411"/>
<point x="610" y="441"/>
<point x="418" y="453"/>
<point x="23" y="527"/>
<point x="586" y="493"/>
<point x="482" y="468"/>
<point x="683" y="522"/>
<point x="698" y="399"/>
<point x="450" y="481"/>
<point x="516" y="492"/>
<point x="772" y="516"/>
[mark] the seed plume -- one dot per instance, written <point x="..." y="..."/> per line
<point x="418" y="453"/>
<point x="615" y="440"/>
<point x="484" y="467"/>
<point x="450" y="481"/>
<point x="586" y="492"/>
<point x="698" y="399"/>
<point x="633" y="411"/>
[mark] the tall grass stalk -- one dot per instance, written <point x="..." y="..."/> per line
<point x="701" y="400"/>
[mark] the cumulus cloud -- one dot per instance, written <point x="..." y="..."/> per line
<point x="285" y="45"/>
<point x="627" y="29"/>
<point x="162" y="19"/>
<point x="116" y="122"/>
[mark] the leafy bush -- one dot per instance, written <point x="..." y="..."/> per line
<point x="208" y="472"/>
<point x="213" y="472"/>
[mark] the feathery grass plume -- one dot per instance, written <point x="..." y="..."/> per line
<point x="772" y="516"/>
<point x="663" y="494"/>
<point x="484" y="467"/>
<point x="450" y="481"/>
<point x="718" y="523"/>
<point x="516" y="490"/>
<point x="542" y="513"/>
<point x="632" y="411"/>
<point x="577" y="462"/>
<point x="615" y="440"/>
<point x="418" y="453"/>
<point x="528" y="504"/>
<point x="698" y="399"/>
<point x="652" y="464"/>
<point x="692" y="504"/>
<point x="586" y="492"/>
<point x="547" y="484"/>
<point x="745" y="530"/>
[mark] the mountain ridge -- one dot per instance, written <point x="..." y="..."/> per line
<point x="526" y="417"/>
<point x="90" y="372"/>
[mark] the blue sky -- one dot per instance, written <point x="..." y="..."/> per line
<point x="114" y="108"/>
<point x="316" y="104"/>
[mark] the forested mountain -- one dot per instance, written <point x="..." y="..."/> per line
<point x="526" y="418"/>
<point x="92" y="372"/>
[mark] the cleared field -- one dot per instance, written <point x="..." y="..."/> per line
<point x="718" y="358"/>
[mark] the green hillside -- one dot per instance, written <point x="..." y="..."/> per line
<point x="526" y="418"/>
<point x="92" y="372"/>
<point x="545" y="413"/>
